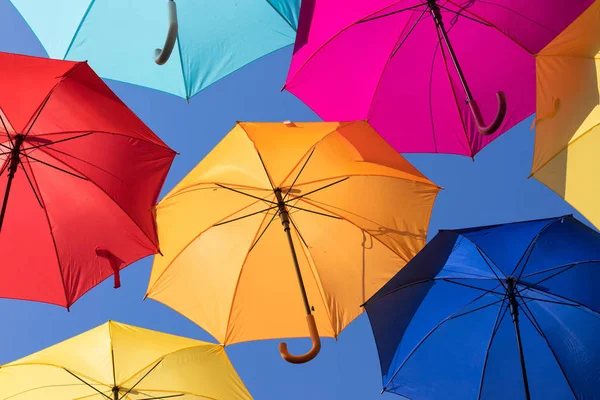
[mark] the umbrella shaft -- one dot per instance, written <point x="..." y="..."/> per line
<point x="437" y="18"/>
<point x="15" y="155"/>
<point x="285" y="221"/>
<point x="514" y="312"/>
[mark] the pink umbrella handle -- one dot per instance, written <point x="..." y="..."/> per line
<point x="162" y="56"/>
<point x="312" y="353"/>
<point x="500" y="114"/>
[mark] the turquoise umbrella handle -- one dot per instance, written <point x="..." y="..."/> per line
<point x="162" y="56"/>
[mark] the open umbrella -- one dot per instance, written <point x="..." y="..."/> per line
<point x="567" y="135"/>
<point x="205" y="40"/>
<point x="122" y="362"/>
<point x="447" y="69"/>
<point x="353" y="213"/>
<point x="500" y="312"/>
<point x="79" y="174"/>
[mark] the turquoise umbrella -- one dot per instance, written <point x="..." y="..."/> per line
<point x="206" y="40"/>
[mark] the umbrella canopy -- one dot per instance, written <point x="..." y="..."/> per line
<point x="500" y="312"/>
<point x="208" y="39"/>
<point x="447" y="69"/>
<point x="568" y="114"/>
<point x="122" y="362"/>
<point x="353" y="213"/>
<point x="79" y="174"/>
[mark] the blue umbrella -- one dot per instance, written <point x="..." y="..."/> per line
<point x="204" y="40"/>
<point x="499" y="312"/>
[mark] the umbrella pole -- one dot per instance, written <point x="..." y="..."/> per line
<point x="434" y="9"/>
<point x="15" y="155"/>
<point x="312" y="327"/>
<point x="115" y="391"/>
<point x="285" y="221"/>
<point x="514" y="312"/>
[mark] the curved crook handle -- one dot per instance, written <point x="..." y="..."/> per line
<point x="312" y="353"/>
<point x="500" y="114"/>
<point x="162" y="56"/>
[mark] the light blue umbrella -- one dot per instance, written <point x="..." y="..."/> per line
<point x="209" y="39"/>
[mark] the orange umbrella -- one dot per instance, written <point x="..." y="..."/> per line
<point x="353" y="212"/>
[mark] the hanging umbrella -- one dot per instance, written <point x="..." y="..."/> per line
<point x="79" y="174"/>
<point x="434" y="65"/>
<point x="568" y="114"/>
<point x="122" y="362"/>
<point x="205" y="40"/>
<point x="499" y="312"/>
<point x="353" y="213"/>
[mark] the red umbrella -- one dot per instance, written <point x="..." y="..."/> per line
<point x="79" y="174"/>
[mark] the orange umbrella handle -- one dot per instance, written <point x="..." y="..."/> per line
<point x="500" y="114"/>
<point x="312" y="353"/>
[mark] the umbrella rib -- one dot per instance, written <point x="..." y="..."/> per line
<point x="80" y="379"/>
<point x="53" y="166"/>
<point x="566" y="299"/>
<point x="333" y="37"/>
<point x="245" y="194"/>
<point x="394" y="51"/>
<point x="566" y="266"/>
<point x="534" y="322"/>
<point x="499" y="319"/>
<point x="562" y="303"/>
<point x="297" y="231"/>
<point x="141" y="379"/>
<point x="397" y="46"/>
<point x="479" y="308"/>
<point x="390" y="13"/>
<point x="264" y="167"/>
<point x="317" y="190"/>
<point x="6" y="130"/>
<point x="491" y="291"/>
<point x="458" y="14"/>
<point x="151" y="240"/>
<point x="298" y="176"/>
<point x="163" y="397"/>
<point x="245" y="216"/>
<point x="58" y="141"/>
<point x="527" y="255"/>
<point x="39" y="110"/>
<point x="263" y="232"/>
<point x="498" y="29"/>
<point x="314" y="212"/>
<point x="429" y="334"/>
<point x="60" y="270"/>
<point x="4" y="166"/>
<point x="31" y="183"/>
<point x="440" y="46"/>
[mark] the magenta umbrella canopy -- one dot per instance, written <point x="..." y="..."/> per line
<point x="392" y="62"/>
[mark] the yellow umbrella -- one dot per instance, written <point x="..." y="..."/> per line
<point x="118" y="361"/>
<point x="353" y="213"/>
<point x="567" y="139"/>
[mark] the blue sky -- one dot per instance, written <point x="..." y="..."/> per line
<point x="493" y="189"/>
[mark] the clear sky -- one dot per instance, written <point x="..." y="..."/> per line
<point x="493" y="189"/>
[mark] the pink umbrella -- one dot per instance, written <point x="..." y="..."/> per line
<point x="424" y="63"/>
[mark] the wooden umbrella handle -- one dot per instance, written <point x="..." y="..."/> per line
<point x="312" y="353"/>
